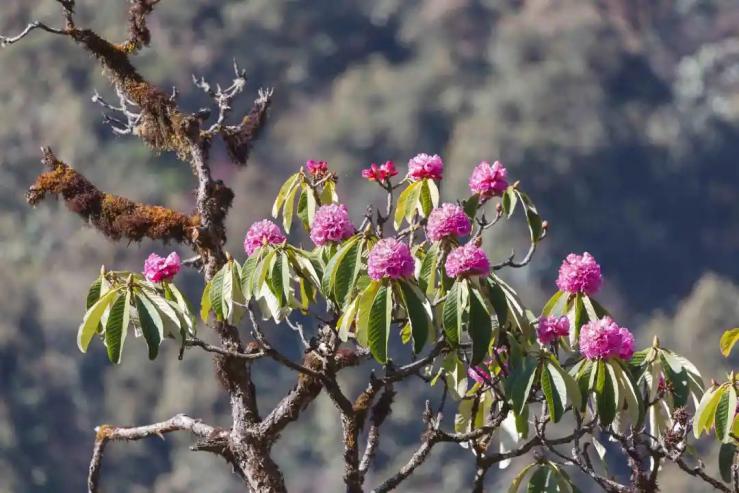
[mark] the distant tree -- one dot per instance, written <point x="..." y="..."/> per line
<point x="414" y="269"/>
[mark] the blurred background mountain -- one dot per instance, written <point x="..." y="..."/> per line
<point x="620" y="117"/>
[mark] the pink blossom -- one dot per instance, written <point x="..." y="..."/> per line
<point x="262" y="233"/>
<point x="601" y="339"/>
<point x="331" y="224"/>
<point x="316" y="168"/>
<point x="390" y="258"/>
<point x="579" y="274"/>
<point x="425" y="166"/>
<point x="550" y="328"/>
<point x="158" y="269"/>
<point x="480" y="373"/>
<point x="448" y="220"/>
<point x="380" y="173"/>
<point x="467" y="260"/>
<point x="488" y="181"/>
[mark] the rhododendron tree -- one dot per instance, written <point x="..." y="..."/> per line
<point x="413" y="290"/>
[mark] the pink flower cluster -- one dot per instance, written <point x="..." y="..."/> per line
<point x="551" y="328"/>
<point x="158" y="269"/>
<point x="262" y="233"/>
<point x="488" y="181"/>
<point x="579" y="274"/>
<point x="425" y="166"/>
<point x="331" y="224"/>
<point x="390" y="258"/>
<point x="447" y="220"/>
<point x="380" y="173"/>
<point x="467" y="260"/>
<point x="601" y="339"/>
<point x="316" y="168"/>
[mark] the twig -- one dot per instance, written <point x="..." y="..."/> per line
<point x="107" y="433"/>
<point x="7" y="41"/>
<point x="194" y="342"/>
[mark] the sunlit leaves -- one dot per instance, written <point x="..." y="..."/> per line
<point x="309" y="198"/>
<point x="116" y="327"/>
<point x="378" y="325"/>
<point x="419" y="313"/>
<point x="728" y="339"/>
<point x="118" y="300"/>
<point x="544" y="476"/>
<point x="420" y="197"/>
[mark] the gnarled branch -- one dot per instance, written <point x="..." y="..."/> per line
<point x="116" y="217"/>
<point x="107" y="433"/>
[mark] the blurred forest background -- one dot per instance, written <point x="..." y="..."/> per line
<point x="621" y="118"/>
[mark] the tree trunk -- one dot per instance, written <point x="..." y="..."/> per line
<point x="261" y="473"/>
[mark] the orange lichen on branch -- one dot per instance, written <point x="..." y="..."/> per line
<point x="116" y="217"/>
<point x="162" y="125"/>
<point x="139" y="35"/>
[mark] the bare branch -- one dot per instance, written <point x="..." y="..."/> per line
<point x="239" y="138"/>
<point x="249" y="356"/>
<point x="7" y="41"/>
<point x="107" y="433"/>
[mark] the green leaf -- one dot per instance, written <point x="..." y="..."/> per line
<point x="433" y="192"/>
<point x="93" y="294"/>
<point x="455" y="374"/>
<point x="407" y="201"/>
<point x="577" y="317"/>
<point x="630" y="392"/>
<point x="499" y="302"/>
<point x="725" y="411"/>
<point x="306" y="194"/>
<point x="247" y="275"/>
<point x="535" y="222"/>
<point x="427" y="274"/>
<point x="452" y="313"/>
<point x="704" y="414"/>
<point x="151" y="324"/>
<point x="283" y="193"/>
<point x="725" y="460"/>
<point x="378" y="328"/>
<point x="418" y="309"/>
<point x="520" y="382"/>
<point x="117" y="327"/>
<point x="566" y="385"/>
<point x="288" y="211"/>
<point x="205" y="303"/>
<point x="728" y="339"/>
<point x="605" y="394"/>
<point x="518" y="479"/>
<point x="589" y="308"/>
<point x="510" y="199"/>
<point x="471" y="205"/>
<point x="551" y="304"/>
<point x="328" y="194"/>
<point x="91" y="321"/>
<point x="480" y="328"/>
<point x="216" y="294"/>
<point x="329" y="274"/>
<point x="347" y="318"/>
<point x="238" y="300"/>
<point x="425" y="204"/>
<point x="227" y="284"/>
<point x="538" y="481"/>
<point x="555" y="403"/>
<point x="346" y="272"/>
<point x="364" y="306"/>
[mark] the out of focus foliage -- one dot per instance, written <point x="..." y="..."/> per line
<point x="624" y="118"/>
